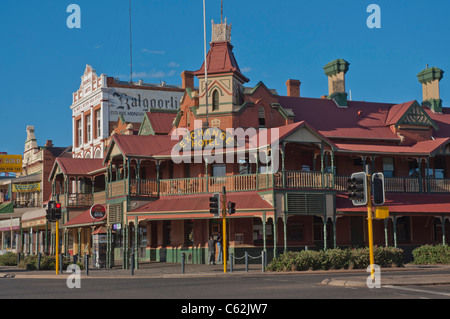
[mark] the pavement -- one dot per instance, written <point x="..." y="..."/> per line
<point x="420" y="274"/>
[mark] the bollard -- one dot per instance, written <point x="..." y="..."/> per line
<point x="60" y="263"/>
<point x="86" y="264"/>
<point x="231" y="262"/>
<point x="132" y="263"/>
<point x="39" y="261"/>
<point x="18" y="259"/>
<point x="306" y="248"/>
<point x="263" y="258"/>
<point x="246" y="261"/>
<point x="183" y="259"/>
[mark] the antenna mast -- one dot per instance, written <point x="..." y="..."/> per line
<point x="131" y="49"/>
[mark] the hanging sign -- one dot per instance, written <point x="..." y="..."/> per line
<point x="98" y="211"/>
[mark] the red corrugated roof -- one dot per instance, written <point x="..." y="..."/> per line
<point x="84" y="219"/>
<point x="335" y="122"/>
<point x="79" y="166"/>
<point x="397" y="111"/>
<point x="143" y="145"/>
<point x="420" y="148"/>
<point x="161" y="122"/>
<point x="405" y="203"/>
<point x="199" y="203"/>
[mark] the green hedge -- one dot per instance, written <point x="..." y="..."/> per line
<point x="47" y="263"/>
<point x="336" y="259"/>
<point x="429" y="254"/>
<point x="8" y="259"/>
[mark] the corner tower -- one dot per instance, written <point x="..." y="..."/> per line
<point x="225" y="88"/>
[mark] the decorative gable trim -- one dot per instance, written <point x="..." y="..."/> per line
<point x="415" y="115"/>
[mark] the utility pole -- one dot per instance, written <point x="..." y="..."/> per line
<point x="224" y="222"/>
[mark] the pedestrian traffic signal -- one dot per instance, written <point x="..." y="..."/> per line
<point x="214" y="205"/>
<point x="231" y="208"/>
<point x="378" y="189"/>
<point x="357" y="186"/>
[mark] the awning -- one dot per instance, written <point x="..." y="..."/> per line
<point x="401" y="203"/>
<point x="248" y="204"/>
<point x="35" y="217"/>
<point x="10" y="224"/>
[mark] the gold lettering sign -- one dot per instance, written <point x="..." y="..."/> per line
<point x="207" y="137"/>
<point x="11" y="163"/>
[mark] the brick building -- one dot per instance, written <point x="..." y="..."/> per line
<point x="289" y="187"/>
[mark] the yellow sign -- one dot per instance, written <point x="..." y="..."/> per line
<point x="381" y="212"/>
<point x="26" y="188"/>
<point x="204" y="137"/>
<point x="11" y="163"/>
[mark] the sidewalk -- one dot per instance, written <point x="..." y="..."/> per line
<point x="346" y="278"/>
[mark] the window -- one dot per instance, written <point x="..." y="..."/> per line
<point x="188" y="232"/>
<point x="215" y="102"/>
<point x="439" y="167"/>
<point x="99" y="124"/>
<point x="261" y="117"/>
<point x="88" y="127"/>
<point x="219" y="170"/>
<point x="413" y="167"/>
<point x="79" y="133"/>
<point x="388" y="166"/>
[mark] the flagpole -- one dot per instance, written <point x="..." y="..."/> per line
<point x="206" y="65"/>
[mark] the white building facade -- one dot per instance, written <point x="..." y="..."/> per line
<point x="101" y="100"/>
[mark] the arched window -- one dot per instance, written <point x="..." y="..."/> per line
<point x="261" y="117"/>
<point x="215" y="102"/>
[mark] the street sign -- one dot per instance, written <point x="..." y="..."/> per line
<point x="98" y="211"/>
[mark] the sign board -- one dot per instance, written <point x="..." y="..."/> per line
<point x="98" y="211"/>
<point x="133" y="103"/>
<point x="11" y="163"/>
<point x="201" y="138"/>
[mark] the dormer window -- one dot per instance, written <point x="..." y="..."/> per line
<point x="215" y="101"/>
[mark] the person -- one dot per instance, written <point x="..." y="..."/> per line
<point x="219" y="247"/>
<point x="1" y="196"/>
<point x="211" y="250"/>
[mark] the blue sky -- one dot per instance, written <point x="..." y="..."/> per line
<point x="42" y="60"/>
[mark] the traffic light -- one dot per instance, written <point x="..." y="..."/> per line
<point x="357" y="186"/>
<point x="378" y="189"/>
<point x="58" y="211"/>
<point x="53" y="211"/>
<point x="231" y="208"/>
<point x="214" y="205"/>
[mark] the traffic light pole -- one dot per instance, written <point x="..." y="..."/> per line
<point x="224" y="236"/>
<point x="370" y="229"/>
<point x="57" y="248"/>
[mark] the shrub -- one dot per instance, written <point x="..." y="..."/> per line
<point x="429" y="254"/>
<point x="336" y="259"/>
<point x="8" y="259"/>
<point x="47" y="263"/>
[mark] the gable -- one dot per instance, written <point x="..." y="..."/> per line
<point x="146" y="127"/>
<point x="415" y="115"/>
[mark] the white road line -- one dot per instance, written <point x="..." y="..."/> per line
<point x="418" y="290"/>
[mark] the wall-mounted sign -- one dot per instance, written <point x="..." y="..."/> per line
<point x="11" y="163"/>
<point x="133" y="103"/>
<point x="26" y="188"/>
<point x="98" y="211"/>
<point x="201" y="138"/>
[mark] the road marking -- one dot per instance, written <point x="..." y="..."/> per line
<point x="418" y="290"/>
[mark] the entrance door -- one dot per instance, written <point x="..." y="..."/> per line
<point x="357" y="231"/>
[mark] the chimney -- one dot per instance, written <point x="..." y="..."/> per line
<point x="49" y="143"/>
<point x="335" y="70"/>
<point x="430" y="78"/>
<point x="187" y="78"/>
<point x="293" y="87"/>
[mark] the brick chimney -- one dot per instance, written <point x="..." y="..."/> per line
<point x="49" y="143"/>
<point x="187" y="78"/>
<point x="293" y="87"/>
<point x="335" y="71"/>
<point x="430" y="78"/>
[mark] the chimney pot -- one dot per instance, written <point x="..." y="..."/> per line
<point x="49" y="143"/>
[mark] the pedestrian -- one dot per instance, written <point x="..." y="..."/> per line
<point x="219" y="247"/>
<point x="212" y="250"/>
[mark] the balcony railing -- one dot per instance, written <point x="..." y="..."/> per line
<point x="405" y="184"/>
